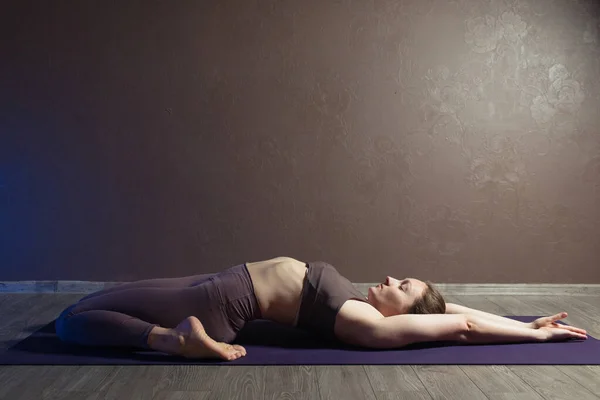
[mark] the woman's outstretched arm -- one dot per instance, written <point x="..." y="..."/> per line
<point x="458" y="309"/>
<point x="401" y="330"/>
<point x="538" y="323"/>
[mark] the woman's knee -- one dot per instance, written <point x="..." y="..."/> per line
<point x="61" y="324"/>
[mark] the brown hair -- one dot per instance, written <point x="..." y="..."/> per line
<point x="431" y="302"/>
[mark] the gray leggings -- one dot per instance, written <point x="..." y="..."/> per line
<point x="124" y="315"/>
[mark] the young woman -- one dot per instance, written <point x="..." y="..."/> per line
<point x="199" y="316"/>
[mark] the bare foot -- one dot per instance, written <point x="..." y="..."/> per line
<point x="197" y="344"/>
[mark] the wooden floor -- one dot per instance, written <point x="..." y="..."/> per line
<point x="24" y="313"/>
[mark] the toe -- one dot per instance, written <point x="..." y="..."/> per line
<point x="240" y="349"/>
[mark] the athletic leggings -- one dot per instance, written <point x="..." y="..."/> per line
<point x="124" y="315"/>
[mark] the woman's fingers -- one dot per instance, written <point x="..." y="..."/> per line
<point x="551" y="322"/>
<point x="571" y="328"/>
<point x="558" y="316"/>
<point x="577" y="335"/>
<point x="557" y="334"/>
<point x="563" y="315"/>
<point x="543" y="321"/>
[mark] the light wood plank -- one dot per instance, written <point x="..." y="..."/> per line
<point x="346" y="382"/>
<point x="516" y="396"/>
<point x="81" y="378"/>
<point x="587" y="376"/>
<point x="180" y="395"/>
<point x="291" y="382"/>
<point x="132" y="382"/>
<point x="483" y="304"/>
<point x="518" y="305"/>
<point x="41" y="310"/>
<point x="520" y="289"/>
<point x="239" y="382"/>
<point x="187" y="378"/>
<point x="508" y="289"/>
<point x="396" y="382"/>
<point x="38" y="311"/>
<point x="420" y="395"/>
<point x="448" y="382"/>
<point x="5" y="300"/>
<point x="498" y="381"/>
<point x="291" y="396"/>
<point x="77" y="395"/>
<point x="25" y="381"/>
<point x="15" y="307"/>
<point x="453" y="299"/>
<point x="551" y="383"/>
<point x="593" y="301"/>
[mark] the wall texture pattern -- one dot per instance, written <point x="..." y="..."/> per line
<point x="456" y="141"/>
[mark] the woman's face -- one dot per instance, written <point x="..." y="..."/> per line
<point x="394" y="296"/>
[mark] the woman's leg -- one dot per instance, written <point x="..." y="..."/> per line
<point x="124" y="318"/>
<point x="103" y="328"/>
<point x="132" y="318"/>
<point x="180" y="282"/>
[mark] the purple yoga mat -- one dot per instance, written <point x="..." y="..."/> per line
<point x="268" y="343"/>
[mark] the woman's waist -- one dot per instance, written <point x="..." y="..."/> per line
<point x="278" y="287"/>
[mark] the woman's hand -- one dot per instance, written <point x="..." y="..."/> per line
<point x="550" y="334"/>
<point x="549" y="323"/>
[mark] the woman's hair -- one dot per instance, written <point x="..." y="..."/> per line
<point x="431" y="302"/>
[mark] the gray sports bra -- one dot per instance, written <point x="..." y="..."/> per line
<point x="323" y="293"/>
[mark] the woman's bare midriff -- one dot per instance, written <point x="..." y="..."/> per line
<point x="278" y="286"/>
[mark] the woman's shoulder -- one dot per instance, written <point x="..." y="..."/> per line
<point x="353" y="317"/>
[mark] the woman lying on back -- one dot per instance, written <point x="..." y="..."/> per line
<point x="199" y="316"/>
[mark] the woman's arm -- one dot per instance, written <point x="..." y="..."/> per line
<point x="401" y="330"/>
<point x="458" y="309"/>
<point x="548" y="322"/>
<point x="405" y="329"/>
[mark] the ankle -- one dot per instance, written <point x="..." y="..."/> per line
<point x="165" y="340"/>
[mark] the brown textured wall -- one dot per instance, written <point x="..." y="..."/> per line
<point x="457" y="141"/>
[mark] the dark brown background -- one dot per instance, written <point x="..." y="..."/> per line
<point x="456" y="141"/>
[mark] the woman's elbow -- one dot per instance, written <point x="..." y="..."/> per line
<point x="466" y="329"/>
<point x="457" y="328"/>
